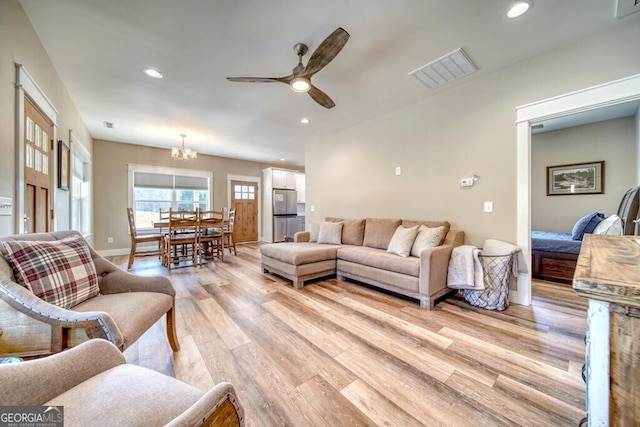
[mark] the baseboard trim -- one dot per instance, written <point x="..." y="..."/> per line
<point x="114" y="252"/>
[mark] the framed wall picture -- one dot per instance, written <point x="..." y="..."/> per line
<point x="63" y="166"/>
<point x="576" y="178"/>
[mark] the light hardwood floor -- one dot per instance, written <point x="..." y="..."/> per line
<point x="337" y="353"/>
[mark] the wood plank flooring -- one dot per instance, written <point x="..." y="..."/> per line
<point x="338" y="353"/>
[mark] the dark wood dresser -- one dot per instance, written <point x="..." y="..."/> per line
<point x="608" y="274"/>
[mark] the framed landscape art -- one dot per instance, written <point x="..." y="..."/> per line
<point x="576" y="178"/>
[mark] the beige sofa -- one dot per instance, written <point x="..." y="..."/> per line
<point x="361" y="255"/>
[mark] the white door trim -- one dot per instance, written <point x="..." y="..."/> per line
<point x="601" y="96"/>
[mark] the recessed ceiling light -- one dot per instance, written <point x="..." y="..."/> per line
<point x="153" y="73"/>
<point x="519" y="9"/>
<point x="304" y="121"/>
<point x="282" y="160"/>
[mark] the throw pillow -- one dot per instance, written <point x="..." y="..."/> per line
<point x="402" y="240"/>
<point x="586" y="224"/>
<point x="331" y="233"/>
<point x="611" y="225"/>
<point x="60" y="272"/>
<point x="427" y="238"/>
<point x="313" y="232"/>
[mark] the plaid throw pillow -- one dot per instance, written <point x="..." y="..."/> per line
<point x="60" y="272"/>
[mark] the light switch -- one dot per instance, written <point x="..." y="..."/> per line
<point x="313" y="208"/>
<point x="488" y="206"/>
<point x="398" y="170"/>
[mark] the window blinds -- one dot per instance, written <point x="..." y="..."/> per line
<point x="177" y="182"/>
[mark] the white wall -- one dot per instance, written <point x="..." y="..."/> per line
<point x="469" y="128"/>
<point x="612" y="141"/>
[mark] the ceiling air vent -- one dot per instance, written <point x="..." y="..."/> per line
<point x="450" y="67"/>
<point x="627" y="7"/>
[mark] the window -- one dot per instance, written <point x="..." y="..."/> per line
<point x="247" y="192"/>
<point x="160" y="189"/>
<point x="80" y="187"/>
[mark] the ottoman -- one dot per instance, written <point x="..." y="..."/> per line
<point x="299" y="262"/>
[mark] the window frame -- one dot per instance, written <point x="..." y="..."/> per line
<point x="137" y="168"/>
<point x="86" y="203"/>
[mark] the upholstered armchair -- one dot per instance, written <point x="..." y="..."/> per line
<point x="96" y="387"/>
<point x="119" y="308"/>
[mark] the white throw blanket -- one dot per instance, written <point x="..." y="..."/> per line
<point x="465" y="269"/>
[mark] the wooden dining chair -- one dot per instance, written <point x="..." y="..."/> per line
<point x="229" y="242"/>
<point x="181" y="241"/>
<point x="142" y="238"/>
<point x="211" y="236"/>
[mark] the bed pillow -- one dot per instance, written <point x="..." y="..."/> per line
<point x="428" y="237"/>
<point x="586" y="225"/>
<point x="402" y="240"/>
<point x="60" y="272"/>
<point x="330" y="233"/>
<point x="610" y="225"/>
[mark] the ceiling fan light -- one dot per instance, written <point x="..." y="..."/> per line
<point x="300" y="84"/>
<point x="518" y="9"/>
<point x="153" y="73"/>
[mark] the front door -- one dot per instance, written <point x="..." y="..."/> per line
<point x="244" y="199"/>
<point x="37" y="169"/>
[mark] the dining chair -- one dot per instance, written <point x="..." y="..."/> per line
<point x="211" y="236"/>
<point x="163" y="217"/>
<point x="182" y="238"/>
<point x="142" y="238"/>
<point x="229" y="241"/>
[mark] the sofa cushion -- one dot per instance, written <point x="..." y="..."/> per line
<point x="427" y="238"/>
<point x="60" y="272"/>
<point x="379" y="231"/>
<point x="299" y="253"/>
<point x="330" y="233"/>
<point x="430" y="224"/>
<point x="380" y="259"/>
<point x="402" y="240"/>
<point x="105" y="399"/>
<point x="352" y="230"/>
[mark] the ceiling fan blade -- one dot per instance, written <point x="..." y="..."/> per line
<point x="285" y="79"/>
<point x="327" y="50"/>
<point x="320" y="97"/>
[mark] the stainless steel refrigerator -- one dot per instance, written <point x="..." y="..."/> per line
<point x="285" y="218"/>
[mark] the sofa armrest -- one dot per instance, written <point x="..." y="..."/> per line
<point x="37" y="381"/>
<point x="96" y="323"/>
<point x="302" y="236"/>
<point x="434" y="263"/>
<point x="218" y="406"/>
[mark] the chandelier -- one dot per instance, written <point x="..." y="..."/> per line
<point x="181" y="153"/>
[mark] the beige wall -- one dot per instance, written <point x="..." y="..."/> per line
<point x="454" y="132"/>
<point x="20" y="44"/>
<point x="110" y="184"/>
<point x="612" y="141"/>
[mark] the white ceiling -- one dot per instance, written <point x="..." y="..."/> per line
<point x="100" y="47"/>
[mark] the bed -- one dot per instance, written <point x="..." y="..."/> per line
<point x="554" y="255"/>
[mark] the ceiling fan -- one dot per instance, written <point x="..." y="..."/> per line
<point x="300" y="78"/>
